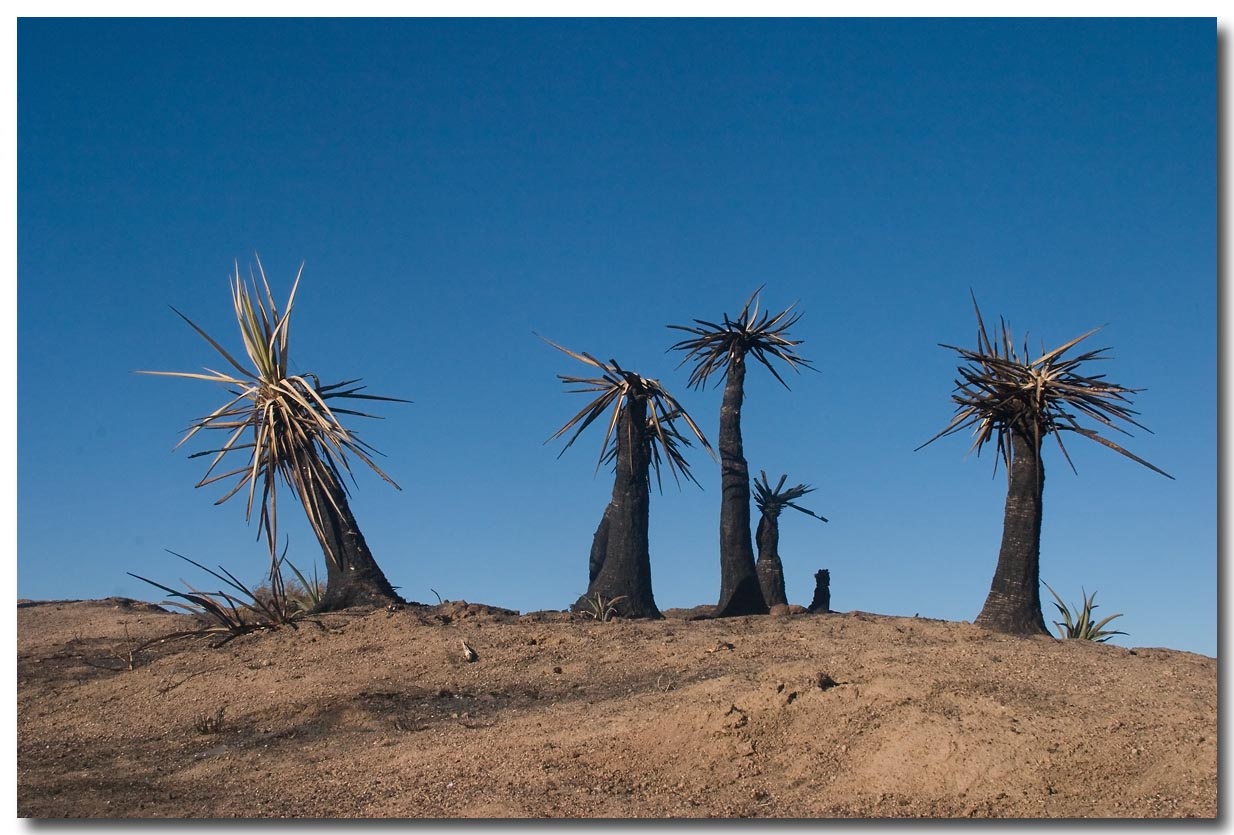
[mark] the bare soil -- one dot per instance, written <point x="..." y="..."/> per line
<point x="379" y="714"/>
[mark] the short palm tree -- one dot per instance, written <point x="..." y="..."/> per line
<point x="1017" y="402"/>
<point x="642" y="433"/>
<point x="716" y="347"/>
<point x="285" y="426"/>
<point x="770" y="501"/>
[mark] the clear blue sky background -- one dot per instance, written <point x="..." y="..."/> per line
<point x="454" y="185"/>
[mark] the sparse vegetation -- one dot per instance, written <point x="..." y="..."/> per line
<point x="295" y="438"/>
<point x="599" y="607"/>
<point x="235" y="613"/>
<point x="298" y="596"/>
<point x="209" y="723"/>
<point x="1078" y="624"/>
<point x="123" y="656"/>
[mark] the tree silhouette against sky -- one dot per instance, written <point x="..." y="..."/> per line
<point x="725" y="347"/>
<point x="1005" y="397"/>
<point x="770" y="501"/>
<point x="641" y="434"/>
<point x="285" y="424"/>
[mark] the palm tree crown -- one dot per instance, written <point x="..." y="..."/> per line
<point x="772" y="500"/>
<point x="1001" y="392"/>
<point x="282" y="420"/>
<point x="614" y="389"/>
<point x="715" y="346"/>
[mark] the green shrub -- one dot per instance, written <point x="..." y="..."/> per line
<point x="1078" y="624"/>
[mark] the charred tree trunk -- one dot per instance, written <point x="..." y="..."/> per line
<point x="599" y="547"/>
<point x="740" y="593"/>
<point x="353" y="577"/>
<point x="1014" y="602"/>
<point x="620" y="562"/>
<point x="770" y="569"/>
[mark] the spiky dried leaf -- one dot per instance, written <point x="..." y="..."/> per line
<point x="614" y="390"/>
<point x="294" y="434"/>
<point x="774" y="499"/>
<point x="765" y="337"/>
<point x="1000" y="392"/>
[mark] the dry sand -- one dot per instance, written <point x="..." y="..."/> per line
<point x="378" y="714"/>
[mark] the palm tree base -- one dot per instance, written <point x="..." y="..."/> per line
<point x="586" y="605"/>
<point x="358" y="589"/>
<point x="1002" y="615"/>
<point x="746" y="599"/>
<point x="771" y="580"/>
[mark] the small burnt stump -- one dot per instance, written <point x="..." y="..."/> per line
<point x="822" y="592"/>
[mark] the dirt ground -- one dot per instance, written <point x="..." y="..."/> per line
<point x="380" y="715"/>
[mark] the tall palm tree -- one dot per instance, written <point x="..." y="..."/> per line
<point x="770" y="501"/>
<point x="284" y="422"/>
<point x="1006" y="397"/>
<point x="642" y="433"/>
<point x="724" y="347"/>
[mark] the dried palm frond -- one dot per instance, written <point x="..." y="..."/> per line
<point x="614" y="389"/>
<point x="777" y="498"/>
<point x="282" y="421"/>
<point x="228" y="613"/>
<point x="714" y="346"/>
<point x="1001" y="391"/>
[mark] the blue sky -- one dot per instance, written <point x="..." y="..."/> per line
<point x="453" y="186"/>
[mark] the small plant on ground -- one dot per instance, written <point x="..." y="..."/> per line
<point x="601" y="608"/>
<point x="125" y="656"/>
<point x="293" y="598"/>
<point x="232" y="614"/>
<point x="209" y="723"/>
<point x="1078" y="624"/>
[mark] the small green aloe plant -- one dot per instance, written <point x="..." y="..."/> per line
<point x="600" y="607"/>
<point x="1078" y="624"/>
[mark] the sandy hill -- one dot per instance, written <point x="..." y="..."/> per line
<point x="379" y="714"/>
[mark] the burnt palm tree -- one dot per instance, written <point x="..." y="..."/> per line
<point x="770" y="501"/>
<point x="642" y="434"/>
<point x="285" y="425"/>
<point x="725" y="347"/>
<point x="1016" y="402"/>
